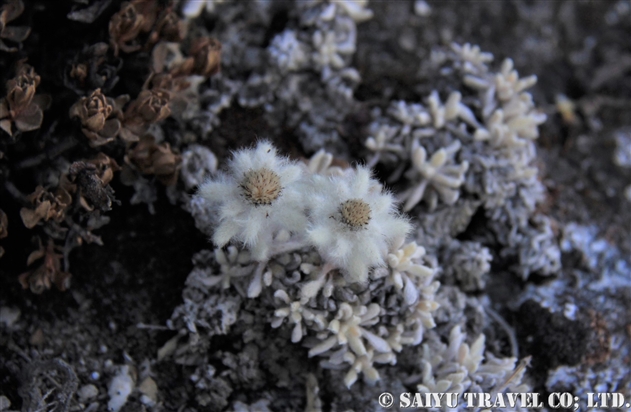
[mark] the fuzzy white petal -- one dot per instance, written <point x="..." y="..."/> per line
<point x="226" y="231"/>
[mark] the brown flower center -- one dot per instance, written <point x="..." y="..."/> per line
<point x="355" y="213"/>
<point x="261" y="186"/>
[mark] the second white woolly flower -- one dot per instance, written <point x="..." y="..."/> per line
<point x="257" y="198"/>
<point x="353" y="222"/>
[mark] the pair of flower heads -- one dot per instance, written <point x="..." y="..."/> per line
<point x="273" y="205"/>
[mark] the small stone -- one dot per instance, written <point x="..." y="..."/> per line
<point x="121" y="386"/>
<point x="37" y="338"/>
<point x="421" y="8"/>
<point x="149" y="389"/>
<point x="8" y="316"/>
<point x="5" y="403"/>
<point x="168" y="348"/>
<point x="93" y="407"/>
<point x="87" y="392"/>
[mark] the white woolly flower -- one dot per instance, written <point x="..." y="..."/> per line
<point x="353" y="222"/>
<point x="258" y="197"/>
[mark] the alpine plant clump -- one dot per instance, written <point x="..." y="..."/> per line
<point x="270" y="205"/>
<point x="321" y="252"/>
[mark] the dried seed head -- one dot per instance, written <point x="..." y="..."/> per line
<point x="207" y="56"/>
<point x="21" y="89"/>
<point x="151" y="106"/>
<point x="355" y="213"/>
<point x="261" y="186"/>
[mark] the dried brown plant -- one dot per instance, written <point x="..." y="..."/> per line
<point x="169" y="27"/>
<point x="204" y="59"/>
<point x="151" y="158"/>
<point x="133" y="18"/>
<point x="46" y="206"/>
<point x="48" y="273"/>
<point x="166" y="81"/>
<point x="151" y="106"/>
<point x="124" y="27"/>
<point x="16" y="34"/>
<point x="21" y="106"/>
<point x="99" y="116"/>
<point x="105" y="166"/>
<point x="93" y="68"/>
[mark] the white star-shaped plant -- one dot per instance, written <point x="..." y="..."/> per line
<point x="354" y="222"/>
<point x="258" y="196"/>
